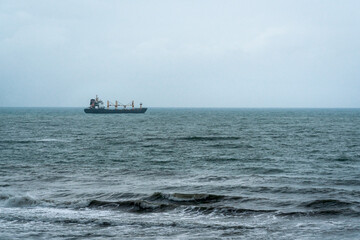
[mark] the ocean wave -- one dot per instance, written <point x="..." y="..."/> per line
<point x="156" y="138"/>
<point x="131" y="205"/>
<point x="15" y="141"/>
<point x="51" y="140"/>
<point x="25" y="141"/>
<point x="209" y="138"/>
<point x="195" y="138"/>
<point x="327" y="203"/>
<point x="222" y="159"/>
<point x="210" y="204"/>
<point x="21" y="201"/>
<point x="224" y="210"/>
<point x="300" y="190"/>
<point x="346" y="182"/>
<point x="231" y="145"/>
<point x="143" y="206"/>
<point x="345" y="158"/>
<point x="213" y="178"/>
<point x="4" y="196"/>
<point x="264" y="170"/>
<point x="24" y="201"/>
<point x="185" y="198"/>
<point x="325" y="207"/>
<point x="315" y="213"/>
<point x="190" y="203"/>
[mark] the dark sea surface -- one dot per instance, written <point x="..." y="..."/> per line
<point x="180" y="174"/>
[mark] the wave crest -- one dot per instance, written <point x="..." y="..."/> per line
<point x="131" y="205"/>
<point x="185" y="198"/>
<point x="326" y="204"/>
<point x="21" y="201"/>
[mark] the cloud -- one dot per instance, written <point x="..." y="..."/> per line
<point x="233" y="53"/>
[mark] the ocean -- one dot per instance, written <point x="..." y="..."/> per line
<point x="180" y="174"/>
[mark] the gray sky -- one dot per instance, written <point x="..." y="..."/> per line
<point x="258" y="53"/>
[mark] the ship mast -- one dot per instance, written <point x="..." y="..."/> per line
<point x="97" y="103"/>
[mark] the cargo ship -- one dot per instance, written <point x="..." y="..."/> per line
<point x="97" y="106"/>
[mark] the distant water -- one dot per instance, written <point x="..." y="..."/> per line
<point x="180" y="173"/>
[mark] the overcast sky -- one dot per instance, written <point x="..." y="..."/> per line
<point x="253" y="53"/>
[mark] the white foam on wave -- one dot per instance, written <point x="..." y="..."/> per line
<point x="77" y="204"/>
<point x="26" y="200"/>
<point x="21" y="201"/>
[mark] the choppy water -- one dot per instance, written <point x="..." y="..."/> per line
<point x="183" y="173"/>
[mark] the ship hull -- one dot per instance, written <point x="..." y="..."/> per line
<point x="114" y="111"/>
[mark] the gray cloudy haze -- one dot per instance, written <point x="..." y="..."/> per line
<point x="180" y="53"/>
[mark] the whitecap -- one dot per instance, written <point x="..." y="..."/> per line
<point x="20" y="201"/>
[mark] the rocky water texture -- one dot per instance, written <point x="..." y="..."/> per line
<point x="180" y="173"/>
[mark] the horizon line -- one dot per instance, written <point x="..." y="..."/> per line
<point x="196" y="107"/>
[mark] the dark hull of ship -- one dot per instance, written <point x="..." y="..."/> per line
<point x="111" y="111"/>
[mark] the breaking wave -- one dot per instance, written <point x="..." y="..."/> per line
<point x="188" y="203"/>
<point x="131" y="205"/>
<point x="185" y="198"/>
<point x="216" y="204"/>
<point x="21" y="201"/>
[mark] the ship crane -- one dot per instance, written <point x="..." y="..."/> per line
<point x="120" y="104"/>
<point x="126" y="105"/>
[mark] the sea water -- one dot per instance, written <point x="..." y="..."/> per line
<point x="180" y="174"/>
